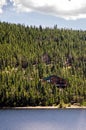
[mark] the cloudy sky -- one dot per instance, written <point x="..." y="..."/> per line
<point x="64" y="13"/>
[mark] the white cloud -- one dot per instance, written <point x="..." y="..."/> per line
<point x="2" y="3"/>
<point x="67" y="9"/>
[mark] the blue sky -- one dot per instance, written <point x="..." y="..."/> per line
<point x="70" y="14"/>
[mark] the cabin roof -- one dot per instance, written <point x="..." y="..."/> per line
<point x="56" y="80"/>
<point x="49" y="77"/>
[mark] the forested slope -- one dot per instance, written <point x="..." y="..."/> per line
<point x="28" y="54"/>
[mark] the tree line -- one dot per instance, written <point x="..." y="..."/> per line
<point x="28" y="54"/>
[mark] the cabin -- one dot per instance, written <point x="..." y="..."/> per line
<point x="55" y="80"/>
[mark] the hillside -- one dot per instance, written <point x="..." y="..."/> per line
<point x="29" y="54"/>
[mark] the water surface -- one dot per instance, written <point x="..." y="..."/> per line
<point x="61" y="119"/>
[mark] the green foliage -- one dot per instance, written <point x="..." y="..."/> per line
<point x="27" y="54"/>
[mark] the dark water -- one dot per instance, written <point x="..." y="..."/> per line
<point x="43" y="119"/>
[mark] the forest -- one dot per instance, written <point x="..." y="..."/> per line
<point x="29" y="53"/>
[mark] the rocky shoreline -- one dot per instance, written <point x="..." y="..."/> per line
<point x="45" y="107"/>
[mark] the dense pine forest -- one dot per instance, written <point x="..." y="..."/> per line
<point x="29" y="54"/>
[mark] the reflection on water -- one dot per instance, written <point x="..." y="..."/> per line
<point x="43" y="119"/>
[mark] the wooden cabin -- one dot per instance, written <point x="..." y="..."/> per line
<point x="55" y="80"/>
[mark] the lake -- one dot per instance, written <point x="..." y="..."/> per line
<point x="58" y="119"/>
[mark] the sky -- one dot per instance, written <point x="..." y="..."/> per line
<point x="63" y="13"/>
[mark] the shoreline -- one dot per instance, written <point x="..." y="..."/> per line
<point x="43" y="107"/>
